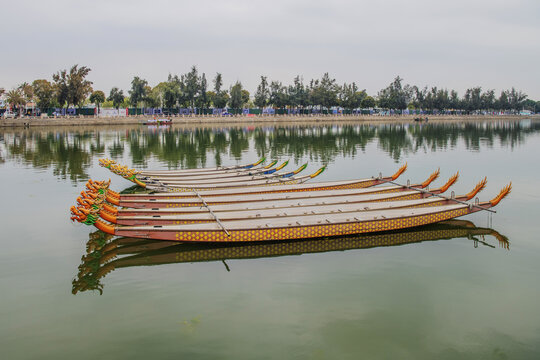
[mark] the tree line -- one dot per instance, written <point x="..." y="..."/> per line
<point x="192" y="90"/>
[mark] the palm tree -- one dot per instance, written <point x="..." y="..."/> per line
<point x="28" y="93"/>
<point x="16" y="99"/>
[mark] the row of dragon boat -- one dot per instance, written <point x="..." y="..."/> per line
<point x="255" y="202"/>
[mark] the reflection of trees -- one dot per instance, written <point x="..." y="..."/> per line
<point x="2" y="150"/>
<point x="474" y="135"/>
<point x="394" y="140"/>
<point x="322" y="143"/>
<point x="116" y="149"/>
<point x="70" y="154"/>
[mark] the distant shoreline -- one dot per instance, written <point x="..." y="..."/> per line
<point x="248" y="120"/>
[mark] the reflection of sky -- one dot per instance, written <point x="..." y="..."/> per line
<point x="443" y="299"/>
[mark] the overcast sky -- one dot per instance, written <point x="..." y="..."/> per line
<point x="455" y="44"/>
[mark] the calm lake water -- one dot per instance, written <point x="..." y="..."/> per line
<point x="467" y="289"/>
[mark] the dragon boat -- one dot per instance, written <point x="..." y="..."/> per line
<point x="105" y="253"/>
<point x="286" y="208"/>
<point x="263" y="170"/>
<point x="267" y="170"/>
<point x="230" y="183"/>
<point x="111" y="165"/>
<point x="353" y="219"/>
<point x="117" y="198"/>
<point x="218" y="181"/>
<point x="267" y="200"/>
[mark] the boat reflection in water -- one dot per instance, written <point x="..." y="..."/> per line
<point x="106" y="253"/>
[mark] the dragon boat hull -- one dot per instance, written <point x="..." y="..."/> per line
<point x="269" y="213"/>
<point x="296" y="228"/>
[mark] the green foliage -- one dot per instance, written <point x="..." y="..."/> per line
<point x="16" y="98"/>
<point x="245" y="97"/>
<point x="218" y="83"/>
<point x="530" y="105"/>
<point x="211" y="95"/>
<point x="324" y="92"/>
<point x="368" y="102"/>
<point x="44" y="93"/>
<point x="72" y="88"/>
<point x="61" y="88"/>
<point x="516" y="99"/>
<point x="203" y="100"/>
<point x="97" y="97"/>
<point x="171" y="92"/>
<point x="154" y="96"/>
<point x="236" y="100"/>
<point x="395" y="96"/>
<point x="278" y="95"/>
<point x="191" y="90"/>
<point x="455" y="102"/>
<point x="27" y="91"/>
<point x="138" y="90"/>
<point x="297" y="93"/>
<point x="191" y="86"/>
<point x="116" y="96"/>
<point x="221" y="97"/>
<point x="472" y="99"/>
<point x="262" y="94"/>
<point x="349" y="96"/>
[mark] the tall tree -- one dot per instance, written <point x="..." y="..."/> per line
<point x="324" y="92"/>
<point x="203" y="100"/>
<point x="218" y="83"/>
<point x="297" y="93"/>
<point x="395" y="96"/>
<point x="191" y="81"/>
<point x="262" y="94"/>
<point x="472" y="100"/>
<point x="236" y="96"/>
<point x="368" y="102"/>
<point x="221" y="97"/>
<point x="349" y="96"/>
<point x="419" y="97"/>
<point x="61" y="88"/>
<point x="116" y="96"/>
<point x="503" y="103"/>
<point x="245" y="97"/>
<point x="98" y="98"/>
<point x="278" y="95"/>
<point x="138" y="91"/>
<point x="16" y="99"/>
<point x="27" y="91"/>
<point x="78" y="87"/>
<point x="455" y="101"/>
<point x="516" y="98"/>
<point x="44" y="93"/>
<point x="488" y="100"/>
